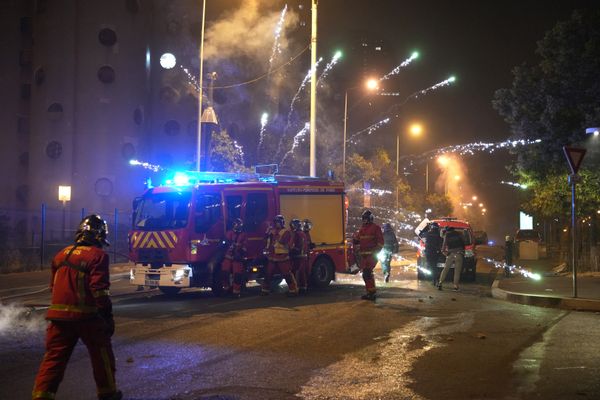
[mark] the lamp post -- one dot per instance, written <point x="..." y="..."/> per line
<point x="199" y="141"/>
<point x="64" y="195"/>
<point x="415" y="129"/>
<point x="371" y="85"/>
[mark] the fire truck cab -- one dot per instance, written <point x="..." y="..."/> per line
<point x="178" y="229"/>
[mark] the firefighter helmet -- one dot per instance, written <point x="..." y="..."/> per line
<point x="238" y="225"/>
<point x="93" y="231"/>
<point x="387" y="226"/>
<point x="279" y="220"/>
<point x="295" y="224"/>
<point x="367" y="217"/>
<point x="306" y="225"/>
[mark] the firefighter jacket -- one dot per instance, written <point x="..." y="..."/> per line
<point x="278" y="245"/>
<point x="308" y="245"/>
<point x="236" y="245"/>
<point x="80" y="284"/>
<point x="369" y="239"/>
<point x="298" y="249"/>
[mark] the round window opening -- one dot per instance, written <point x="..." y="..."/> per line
<point x="128" y="151"/>
<point x="103" y="187"/>
<point x="172" y="128"/>
<point x="54" y="150"/>
<point x="107" y="37"/>
<point x="106" y="74"/>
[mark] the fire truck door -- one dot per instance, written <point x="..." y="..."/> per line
<point x="259" y="208"/>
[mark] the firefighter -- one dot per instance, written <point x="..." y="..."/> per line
<point x="369" y="242"/>
<point x="233" y="263"/>
<point x="278" y="243"/>
<point x="303" y="274"/>
<point x="80" y="309"/>
<point x="298" y="254"/>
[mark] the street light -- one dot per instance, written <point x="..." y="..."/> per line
<point x="64" y="195"/>
<point x="415" y="129"/>
<point x="371" y="84"/>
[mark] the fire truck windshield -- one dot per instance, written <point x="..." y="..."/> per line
<point x="162" y="211"/>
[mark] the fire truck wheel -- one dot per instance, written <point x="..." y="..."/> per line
<point x="322" y="272"/>
<point x="169" y="290"/>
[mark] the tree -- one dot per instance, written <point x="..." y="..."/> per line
<point x="558" y="98"/>
<point x="225" y="154"/>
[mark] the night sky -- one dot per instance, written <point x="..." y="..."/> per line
<point x="479" y="42"/>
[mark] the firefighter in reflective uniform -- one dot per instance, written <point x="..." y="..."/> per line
<point x="80" y="309"/>
<point x="278" y="243"/>
<point x="369" y="241"/>
<point x="303" y="273"/>
<point x="233" y="263"/>
<point x="298" y="253"/>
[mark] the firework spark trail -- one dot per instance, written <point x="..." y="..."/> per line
<point x="369" y="130"/>
<point x="404" y="63"/>
<point x="514" y="269"/>
<point x="294" y="99"/>
<point x="264" y="118"/>
<point x="276" y="45"/>
<point x="471" y="149"/>
<point x="192" y="81"/>
<point x="334" y="60"/>
<point x="151" y="167"/>
<point x="297" y="139"/>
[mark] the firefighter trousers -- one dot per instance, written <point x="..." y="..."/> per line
<point x="300" y="270"/>
<point x="61" y="338"/>
<point x="229" y="267"/>
<point x="285" y="268"/>
<point x="367" y="265"/>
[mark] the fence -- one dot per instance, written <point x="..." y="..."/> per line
<point x="30" y="238"/>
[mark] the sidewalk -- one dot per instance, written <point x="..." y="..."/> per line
<point x="552" y="290"/>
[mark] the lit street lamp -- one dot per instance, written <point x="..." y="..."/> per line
<point x="371" y="85"/>
<point x="64" y="195"/>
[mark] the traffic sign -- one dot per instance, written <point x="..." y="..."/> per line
<point x="574" y="157"/>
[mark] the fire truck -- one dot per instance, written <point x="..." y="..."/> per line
<point x="178" y="228"/>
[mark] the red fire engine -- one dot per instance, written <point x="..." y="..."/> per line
<point x="178" y="228"/>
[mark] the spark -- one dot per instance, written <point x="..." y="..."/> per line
<point x="404" y="63"/>
<point x="192" y="81"/>
<point x="369" y="130"/>
<point x="422" y="92"/>
<point x="294" y="99"/>
<point x="276" y="44"/>
<point x="329" y="66"/>
<point x="514" y="269"/>
<point x="515" y="184"/>
<point x="264" y="118"/>
<point x="151" y="167"/>
<point x="299" y="137"/>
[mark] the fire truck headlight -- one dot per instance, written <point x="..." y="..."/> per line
<point x="132" y="274"/>
<point x="181" y="273"/>
<point x="194" y="247"/>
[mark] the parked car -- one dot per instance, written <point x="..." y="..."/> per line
<point x="481" y="237"/>
<point x="468" y="272"/>
<point x="528" y="234"/>
<point x="529" y="244"/>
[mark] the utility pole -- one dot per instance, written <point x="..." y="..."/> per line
<point x="313" y="91"/>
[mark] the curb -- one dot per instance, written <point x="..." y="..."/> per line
<point x="564" y="303"/>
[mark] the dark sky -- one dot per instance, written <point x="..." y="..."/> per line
<point x="477" y="41"/>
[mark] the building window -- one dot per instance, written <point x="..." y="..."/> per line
<point x="54" y="150"/>
<point x="23" y="125"/>
<point x="55" y="111"/>
<point x="39" y="76"/>
<point x="103" y="187"/>
<point x="107" y="37"/>
<point x="128" y="151"/>
<point x="138" y="116"/>
<point x="172" y="128"/>
<point x="106" y="74"/>
<point x="25" y="91"/>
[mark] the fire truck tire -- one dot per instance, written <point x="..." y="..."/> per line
<point x="321" y="273"/>
<point x="169" y="290"/>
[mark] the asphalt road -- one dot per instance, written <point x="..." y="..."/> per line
<point x="414" y="342"/>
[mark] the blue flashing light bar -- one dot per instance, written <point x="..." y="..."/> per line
<point x="190" y="178"/>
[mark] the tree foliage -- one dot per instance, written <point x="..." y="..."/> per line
<point x="555" y="101"/>
<point x="225" y="154"/>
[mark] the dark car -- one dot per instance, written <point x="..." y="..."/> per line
<point x="528" y="234"/>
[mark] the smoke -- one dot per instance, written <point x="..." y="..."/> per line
<point x="16" y="320"/>
<point x="247" y="31"/>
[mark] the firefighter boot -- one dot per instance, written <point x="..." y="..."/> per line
<point x="369" y="296"/>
